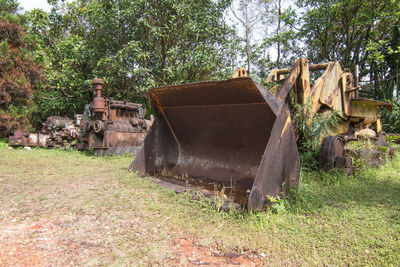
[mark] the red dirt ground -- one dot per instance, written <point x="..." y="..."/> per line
<point x="187" y="253"/>
<point x="45" y="244"/>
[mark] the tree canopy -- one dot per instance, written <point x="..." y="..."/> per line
<point x="20" y="72"/>
<point x="48" y="59"/>
<point x="353" y="32"/>
<point x="132" y="45"/>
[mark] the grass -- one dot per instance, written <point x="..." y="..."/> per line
<point x="116" y="218"/>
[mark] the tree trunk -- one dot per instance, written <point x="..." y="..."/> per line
<point x="278" y="31"/>
<point x="247" y="26"/>
<point x="397" y="81"/>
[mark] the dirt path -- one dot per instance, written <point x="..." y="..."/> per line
<point x="60" y="209"/>
<point x="54" y="244"/>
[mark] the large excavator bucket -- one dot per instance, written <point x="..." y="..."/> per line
<point x="231" y="132"/>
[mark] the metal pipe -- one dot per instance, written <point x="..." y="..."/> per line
<point x="314" y="67"/>
<point x="283" y="71"/>
<point x="98" y="101"/>
<point x="98" y="86"/>
<point x="357" y="80"/>
<point x="357" y="77"/>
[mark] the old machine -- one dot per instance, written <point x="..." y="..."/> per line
<point x="237" y="134"/>
<point x="56" y="132"/>
<point x="112" y="126"/>
<point x="107" y="126"/>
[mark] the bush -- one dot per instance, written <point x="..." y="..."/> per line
<point x="19" y="73"/>
<point x="310" y="130"/>
<point x="391" y="120"/>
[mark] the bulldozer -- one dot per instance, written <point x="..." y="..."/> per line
<point x="237" y="134"/>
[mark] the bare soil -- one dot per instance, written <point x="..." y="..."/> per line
<point x="58" y="209"/>
<point x="54" y="243"/>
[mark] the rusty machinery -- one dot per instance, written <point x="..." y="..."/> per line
<point x="62" y="131"/>
<point x="56" y="132"/>
<point x="20" y="138"/>
<point x="237" y="133"/>
<point x="108" y="126"/>
<point x="111" y="126"/>
<point x="337" y="90"/>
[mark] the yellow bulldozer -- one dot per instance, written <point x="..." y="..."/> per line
<point x="237" y="134"/>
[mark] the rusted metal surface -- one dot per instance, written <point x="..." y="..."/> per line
<point x="62" y="131"/>
<point x="335" y="90"/>
<point x="332" y="147"/>
<point x="56" y="132"/>
<point x="330" y="93"/>
<point x="232" y="132"/>
<point x="35" y="139"/>
<point x="302" y="90"/>
<point x="290" y="81"/>
<point x="108" y="124"/>
<point x="367" y="109"/>
<point x="239" y="135"/>
<point x="332" y="155"/>
<point x="240" y="72"/>
<point x="313" y="67"/>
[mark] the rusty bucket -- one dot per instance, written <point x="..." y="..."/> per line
<point x="229" y="132"/>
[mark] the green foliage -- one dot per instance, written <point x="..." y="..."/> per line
<point x="311" y="129"/>
<point x="335" y="176"/>
<point x="3" y="143"/>
<point x="216" y="204"/>
<point x="8" y="9"/>
<point x="276" y="204"/>
<point x="20" y="73"/>
<point x="391" y="120"/>
<point x="286" y="37"/>
<point x="279" y="37"/>
<point x="392" y="139"/>
<point x="355" y="32"/>
<point x="132" y="45"/>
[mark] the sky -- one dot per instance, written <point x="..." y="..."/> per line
<point x="31" y="4"/>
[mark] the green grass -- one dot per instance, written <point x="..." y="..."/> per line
<point x="331" y="220"/>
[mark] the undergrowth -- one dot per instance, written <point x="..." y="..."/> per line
<point x="3" y="143"/>
<point x="391" y="119"/>
<point x="310" y="129"/>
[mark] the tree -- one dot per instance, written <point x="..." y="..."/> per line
<point x="247" y="19"/>
<point x="279" y="36"/>
<point x="132" y="45"/>
<point x="20" y="72"/>
<point x="355" y="32"/>
<point x="278" y="32"/>
<point x="252" y="17"/>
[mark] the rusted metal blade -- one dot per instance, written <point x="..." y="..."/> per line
<point x="214" y="130"/>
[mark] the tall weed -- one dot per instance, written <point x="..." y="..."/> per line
<point x="310" y="129"/>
